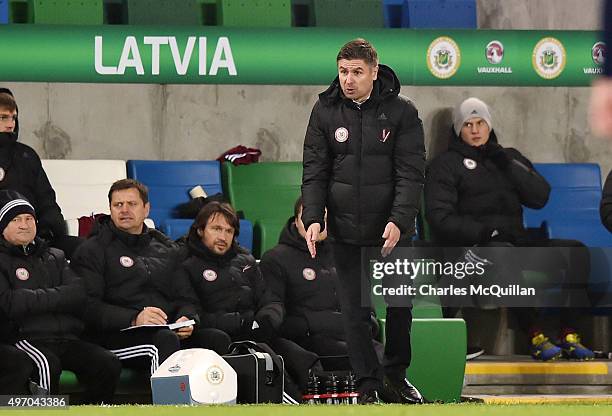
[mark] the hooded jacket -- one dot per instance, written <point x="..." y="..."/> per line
<point x="606" y="203"/>
<point x="124" y="273"/>
<point x="21" y="170"/>
<point x="468" y="194"/>
<point x="306" y="287"/>
<point x="365" y="163"/>
<point x="40" y="297"/>
<point x="228" y="289"/>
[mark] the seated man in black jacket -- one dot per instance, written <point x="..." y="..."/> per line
<point x="307" y="288"/>
<point x="127" y="268"/>
<point x="41" y="302"/>
<point x="21" y="170"/>
<point x="606" y="203"/>
<point x="229" y="290"/>
<point x="474" y="194"/>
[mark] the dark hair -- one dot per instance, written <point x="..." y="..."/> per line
<point x="297" y="207"/>
<point x="359" y="49"/>
<point x="7" y="101"/>
<point x="213" y="208"/>
<point x="122" y="184"/>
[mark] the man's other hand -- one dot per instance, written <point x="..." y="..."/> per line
<point x="391" y="235"/>
<point x="311" y="237"/>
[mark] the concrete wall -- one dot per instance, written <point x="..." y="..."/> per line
<point x="82" y="121"/>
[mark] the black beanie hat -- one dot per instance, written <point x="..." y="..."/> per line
<point x="12" y="203"/>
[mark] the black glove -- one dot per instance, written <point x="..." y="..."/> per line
<point x="493" y="235"/>
<point x="496" y="154"/>
<point x="264" y="331"/>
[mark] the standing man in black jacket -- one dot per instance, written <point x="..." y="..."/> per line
<point x="21" y="170"/>
<point x="127" y="268"/>
<point x="41" y="302"/>
<point x="364" y="160"/>
<point x="474" y="196"/>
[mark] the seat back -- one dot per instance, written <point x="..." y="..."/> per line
<point x="572" y="211"/>
<point x="163" y="12"/>
<point x="81" y="186"/>
<point x="266" y="192"/>
<point x="348" y="13"/>
<point x="169" y="182"/>
<point x="255" y="13"/>
<point x="440" y="14"/>
<point x="4" y="11"/>
<point x="66" y="12"/>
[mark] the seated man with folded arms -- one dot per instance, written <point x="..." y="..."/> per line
<point x="127" y="268"/>
<point x="41" y="304"/>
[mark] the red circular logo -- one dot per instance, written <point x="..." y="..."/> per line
<point x="209" y="275"/>
<point x="309" y="274"/>
<point x="22" y="274"/>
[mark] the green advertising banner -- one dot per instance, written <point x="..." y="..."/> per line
<point x="297" y="56"/>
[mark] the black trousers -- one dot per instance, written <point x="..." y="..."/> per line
<point x="15" y="370"/>
<point x="298" y="361"/>
<point x="149" y="347"/>
<point x="96" y="368"/>
<point x="362" y="354"/>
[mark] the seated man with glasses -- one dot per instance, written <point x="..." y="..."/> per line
<point x="21" y="170"/>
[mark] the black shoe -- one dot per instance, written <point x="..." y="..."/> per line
<point x="369" y="397"/>
<point x="401" y="392"/>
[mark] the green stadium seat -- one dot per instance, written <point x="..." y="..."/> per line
<point x="254" y="13"/>
<point x="163" y="12"/>
<point x="266" y="193"/>
<point x="66" y="12"/>
<point x="349" y="13"/>
<point x="438" y="357"/>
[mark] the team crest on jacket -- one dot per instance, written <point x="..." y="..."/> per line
<point x="341" y="134"/>
<point x="309" y="274"/>
<point x="469" y="163"/>
<point x="126" y="261"/>
<point x="209" y="275"/>
<point x="1" y="174"/>
<point x="22" y="274"/>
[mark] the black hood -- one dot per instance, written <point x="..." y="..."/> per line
<point x="291" y="237"/>
<point x="473" y="152"/>
<point x="386" y="85"/>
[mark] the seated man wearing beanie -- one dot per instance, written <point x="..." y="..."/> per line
<point x="230" y="292"/>
<point x="307" y="288"/>
<point x="474" y="194"/>
<point x="42" y="301"/>
<point x="21" y="170"/>
<point x="127" y="269"/>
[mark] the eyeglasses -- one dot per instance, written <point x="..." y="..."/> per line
<point x="4" y="118"/>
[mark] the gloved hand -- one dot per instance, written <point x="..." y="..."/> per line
<point x="263" y="330"/>
<point x="496" y="153"/>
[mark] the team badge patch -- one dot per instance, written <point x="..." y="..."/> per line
<point x="309" y="274"/>
<point x="214" y="375"/>
<point x="22" y="274"/>
<point x="126" y="261"/>
<point x="209" y="275"/>
<point x="341" y="134"/>
<point x="469" y="163"/>
<point x="2" y="174"/>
